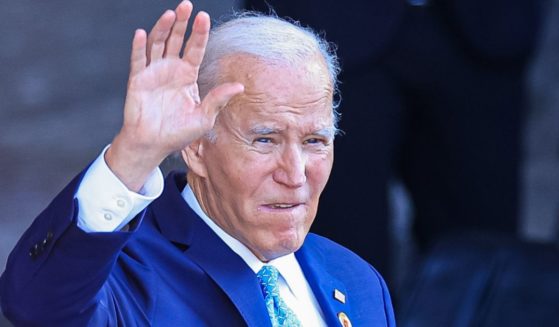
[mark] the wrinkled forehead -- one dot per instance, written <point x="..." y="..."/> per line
<point x="302" y="88"/>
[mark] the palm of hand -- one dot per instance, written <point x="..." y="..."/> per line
<point x="163" y="105"/>
<point x="163" y="112"/>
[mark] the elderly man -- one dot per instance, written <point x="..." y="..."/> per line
<point x="228" y="244"/>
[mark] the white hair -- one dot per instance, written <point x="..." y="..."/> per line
<point x="271" y="38"/>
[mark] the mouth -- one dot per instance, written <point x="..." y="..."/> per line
<point x="281" y="206"/>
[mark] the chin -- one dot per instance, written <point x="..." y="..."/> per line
<point x="283" y="241"/>
<point x="282" y="247"/>
<point x="292" y="243"/>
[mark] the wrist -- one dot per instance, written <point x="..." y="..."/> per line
<point x="132" y="163"/>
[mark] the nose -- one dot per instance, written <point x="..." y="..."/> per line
<point x="291" y="170"/>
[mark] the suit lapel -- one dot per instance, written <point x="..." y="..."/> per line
<point x="323" y="284"/>
<point x="205" y="248"/>
<point x="232" y="274"/>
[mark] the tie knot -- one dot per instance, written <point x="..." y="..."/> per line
<point x="268" y="278"/>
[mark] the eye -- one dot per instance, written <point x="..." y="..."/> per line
<point x="315" y="140"/>
<point x="263" y="140"/>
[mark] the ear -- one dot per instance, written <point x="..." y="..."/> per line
<point x="194" y="159"/>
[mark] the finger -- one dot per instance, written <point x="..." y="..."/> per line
<point x="138" y="57"/>
<point x="219" y="96"/>
<point x="158" y="35"/>
<point x="196" y="44"/>
<point x="176" y="39"/>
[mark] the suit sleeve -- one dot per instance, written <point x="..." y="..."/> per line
<point x="57" y="272"/>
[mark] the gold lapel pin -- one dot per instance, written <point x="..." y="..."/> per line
<point x="344" y="319"/>
<point x="338" y="295"/>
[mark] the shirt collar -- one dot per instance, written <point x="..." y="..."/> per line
<point x="287" y="265"/>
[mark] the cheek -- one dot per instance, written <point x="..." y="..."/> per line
<point x="249" y="185"/>
<point x="318" y="172"/>
<point x="255" y="171"/>
<point x="239" y="170"/>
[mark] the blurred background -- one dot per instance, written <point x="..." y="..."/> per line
<point x="64" y="68"/>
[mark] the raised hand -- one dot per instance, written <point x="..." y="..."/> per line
<point x="163" y="112"/>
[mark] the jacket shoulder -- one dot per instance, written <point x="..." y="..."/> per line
<point x="335" y="252"/>
<point x="365" y="288"/>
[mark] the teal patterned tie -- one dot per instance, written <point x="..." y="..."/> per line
<point x="279" y="312"/>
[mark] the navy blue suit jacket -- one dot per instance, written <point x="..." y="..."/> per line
<point x="169" y="269"/>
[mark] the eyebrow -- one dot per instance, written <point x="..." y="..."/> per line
<point x="261" y="130"/>
<point x="327" y="132"/>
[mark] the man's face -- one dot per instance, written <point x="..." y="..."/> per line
<point x="272" y="156"/>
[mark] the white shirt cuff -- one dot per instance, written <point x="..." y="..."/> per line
<point x="105" y="204"/>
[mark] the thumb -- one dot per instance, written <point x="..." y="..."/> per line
<point x="219" y="96"/>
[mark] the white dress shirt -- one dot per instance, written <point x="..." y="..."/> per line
<point x="106" y="204"/>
